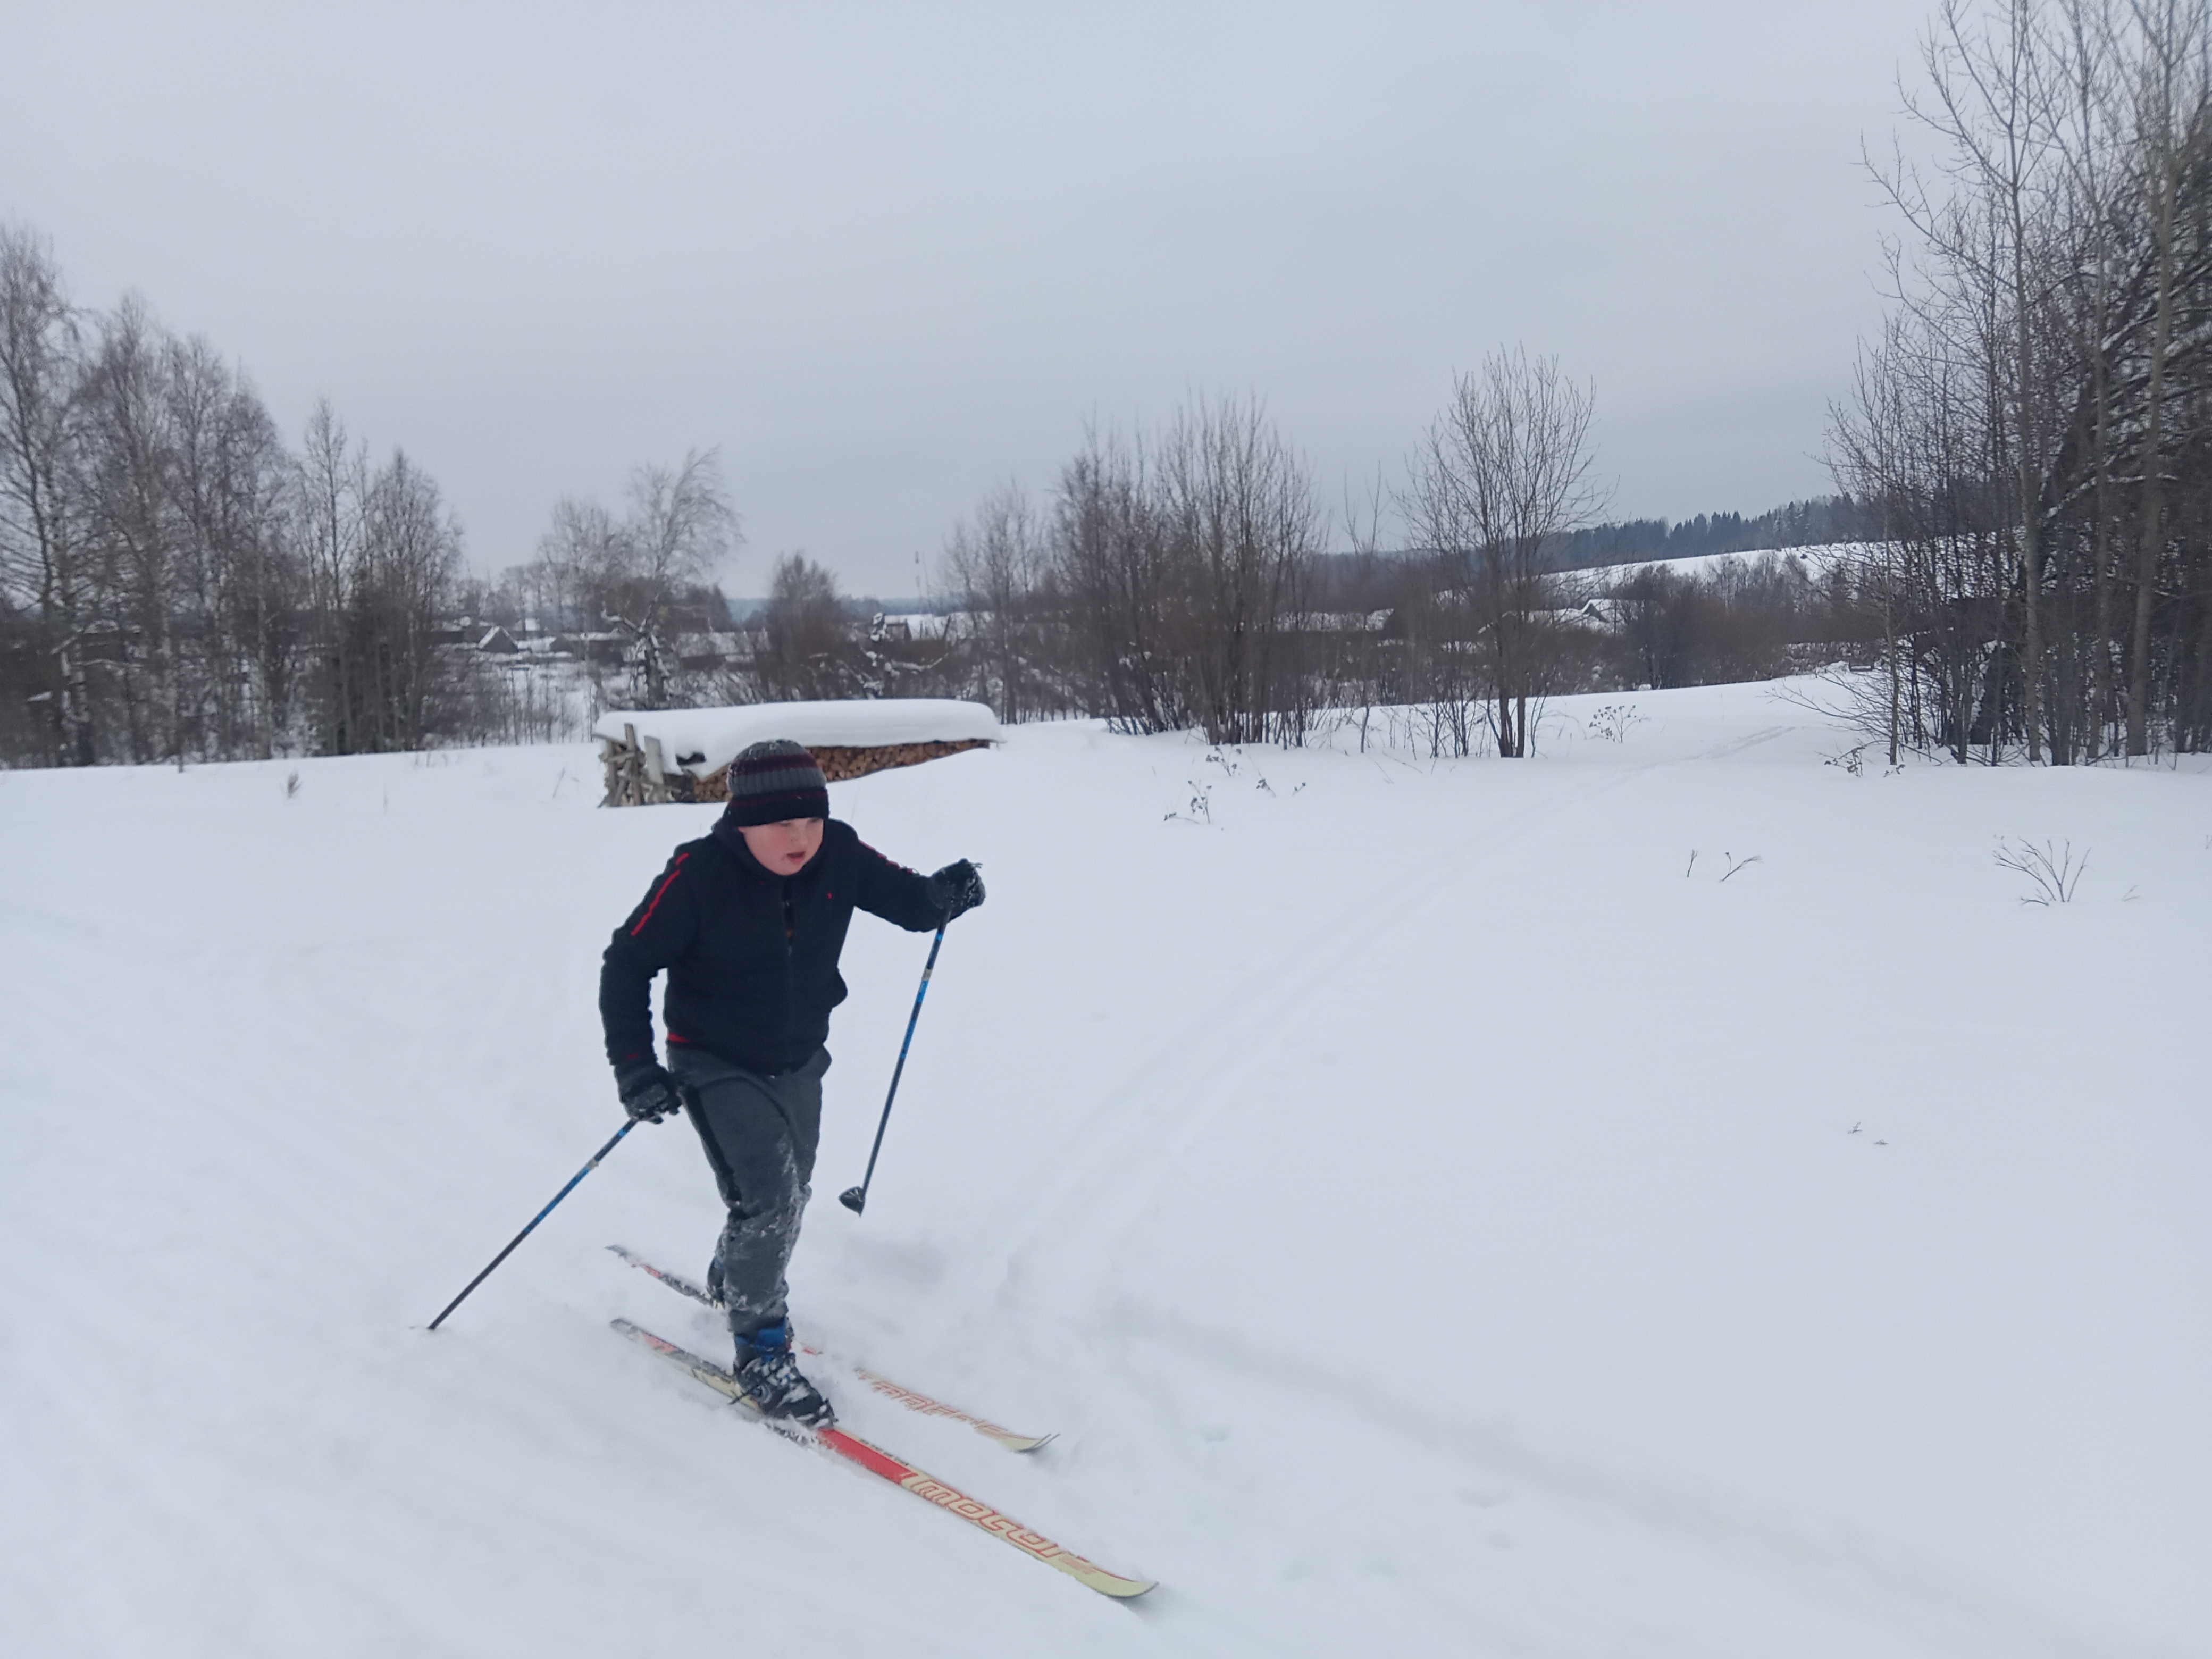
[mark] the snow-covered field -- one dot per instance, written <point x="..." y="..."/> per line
<point x="1438" y="1216"/>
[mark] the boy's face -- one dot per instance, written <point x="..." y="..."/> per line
<point x="783" y="848"/>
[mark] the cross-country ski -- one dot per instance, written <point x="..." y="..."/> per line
<point x="912" y="1399"/>
<point x="889" y="1466"/>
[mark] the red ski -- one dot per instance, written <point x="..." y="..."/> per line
<point x="897" y="1470"/>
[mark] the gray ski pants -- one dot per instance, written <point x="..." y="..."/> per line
<point x="760" y="1133"/>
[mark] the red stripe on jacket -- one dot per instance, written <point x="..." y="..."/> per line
<point x="654" y="902"/>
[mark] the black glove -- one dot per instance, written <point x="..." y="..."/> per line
<point x="648" y="1093"/>
<point x="956" y="889"/>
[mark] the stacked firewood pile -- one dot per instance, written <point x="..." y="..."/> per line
<point x="639" y="773"/>
<point x="839" y="764"/>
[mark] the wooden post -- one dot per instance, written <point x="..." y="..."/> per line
<point x="611" y="765"/>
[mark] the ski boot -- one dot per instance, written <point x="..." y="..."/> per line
<point x="772" y="1380"/>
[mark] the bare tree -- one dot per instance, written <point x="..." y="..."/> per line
<point x="126" y="480"/>
<point x="1243" y="527"/>
<point x="579" y="559"/>
<point x="244" y="587"/>
<point x="2046" y="467"/>
<point x="2093" y="197"/>
<point x="173" y="579"/>
<point x="1502" y="473"/>
<point x="629" y="573"/>
<point x="2168" y="107"/>
<point x="40" y="536"/>
<point x="1868" y="438"/>
<point x="994" y="561"/>
<point x="1990" y="101"/>
<point x="329" y="491"/>
<point x="681" y="526"/>
<point x="1115" y="582"/>
<point x="410" y="551"/>
<point x="1175" y="569"/>
<point x="808" y="648"/>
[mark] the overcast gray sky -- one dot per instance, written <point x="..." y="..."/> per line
<point x="886" y="256"/>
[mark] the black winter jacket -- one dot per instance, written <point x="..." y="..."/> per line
<point x="751" y="956"/>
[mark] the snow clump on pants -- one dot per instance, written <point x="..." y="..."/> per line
<point x="760" y="1133"/>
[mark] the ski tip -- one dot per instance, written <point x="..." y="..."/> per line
<point x="1105" y="1583"/>
<point x="853" y="1200"/>
<point x="1023" y="1442"/>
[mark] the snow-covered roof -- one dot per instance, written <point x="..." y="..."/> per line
<point x="717" y="734"/>
<point x="925" y="624"/>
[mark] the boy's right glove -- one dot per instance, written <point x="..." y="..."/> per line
<point x="648" y="1093"/>
<point x="956" y="889"/>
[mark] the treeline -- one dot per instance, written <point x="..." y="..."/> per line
<point x="1821" y="520"/>
<point x="2034" y="427"/>
<point x="176" y="582"/>
<point x="1161" y="588"/>
<point x="1385" y="630"/>
<point x="1175" y="578"/>
<point x="179" y="583"/>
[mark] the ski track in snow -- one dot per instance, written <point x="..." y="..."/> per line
<point x="1175" y="1092"/>
<point x="1427" y="1212"/>
<point x="1188" y="1080"/>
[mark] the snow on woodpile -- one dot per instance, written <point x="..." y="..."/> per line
<point x="660" y="755"/>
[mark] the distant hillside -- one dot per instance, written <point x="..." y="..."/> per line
<point x="1347" y="578"/>
<point x="1814" y="523"/>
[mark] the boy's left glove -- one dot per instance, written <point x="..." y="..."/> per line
<point x="956" y="889"/>
<point x="648" y="1093"/>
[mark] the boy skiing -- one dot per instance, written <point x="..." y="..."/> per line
<point x="748" y="921"/>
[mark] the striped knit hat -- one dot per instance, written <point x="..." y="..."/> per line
<point x="773" y="780"/>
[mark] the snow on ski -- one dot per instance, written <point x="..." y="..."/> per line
<point x="897" y="1470"/>
<point x="912" y="1399"/>
<point x="675" y="1282"/>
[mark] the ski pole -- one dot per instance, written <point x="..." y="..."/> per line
<point x="855" y="1199"/>
<point x="534" y="1220"/>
